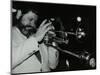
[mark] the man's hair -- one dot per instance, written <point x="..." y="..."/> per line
<point x="26" y="10"/>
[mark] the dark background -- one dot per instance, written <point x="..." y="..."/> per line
<point x="68" y="14"/>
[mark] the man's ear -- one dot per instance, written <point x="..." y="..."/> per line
<point x="19" y="14"/>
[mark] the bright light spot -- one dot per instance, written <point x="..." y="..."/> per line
<point x="14" y="10"/>
<point x="52" y="19"/>
<point x="79" y="19"/>
<point x="67" y="63"/>
<point x="82" y="33"/>
<point x="92" y="62"/>
<point x="80" y="29"/>
<point x="53" y="43"/>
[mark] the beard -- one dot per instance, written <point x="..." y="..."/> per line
<point x="27" y="30"/>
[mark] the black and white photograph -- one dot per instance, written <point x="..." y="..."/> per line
<point x="52" y="37"/>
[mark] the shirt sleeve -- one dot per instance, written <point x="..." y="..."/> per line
<point x="53" y="57"/>
<point x="21" y="51"/>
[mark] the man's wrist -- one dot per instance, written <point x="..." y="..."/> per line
<point x="37" y="39"/>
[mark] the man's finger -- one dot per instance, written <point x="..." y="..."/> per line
<point x="44" y="21"/>
<point x="47" y="25"/>
<point x="49" y="28"/>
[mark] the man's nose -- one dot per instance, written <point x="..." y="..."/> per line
<point x="32" y="23"/>
<point x="29" y="24"/>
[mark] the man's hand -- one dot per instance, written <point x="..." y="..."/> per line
<point x="42" y="30"/>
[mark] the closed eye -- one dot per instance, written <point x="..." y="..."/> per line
<point x="31" y="19"/>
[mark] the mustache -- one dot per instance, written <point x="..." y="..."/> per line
<point x="27" y="30"/>
<point x="28" y="27"/>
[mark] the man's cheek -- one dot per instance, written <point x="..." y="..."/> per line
<point x="25" y="22"/>
<point x="33" y="24"/>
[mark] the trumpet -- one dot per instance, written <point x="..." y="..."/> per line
<point x="62" y="36"/>
<point x="53" y="38"/>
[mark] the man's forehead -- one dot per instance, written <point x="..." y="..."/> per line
<point x="31" y="14"/>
